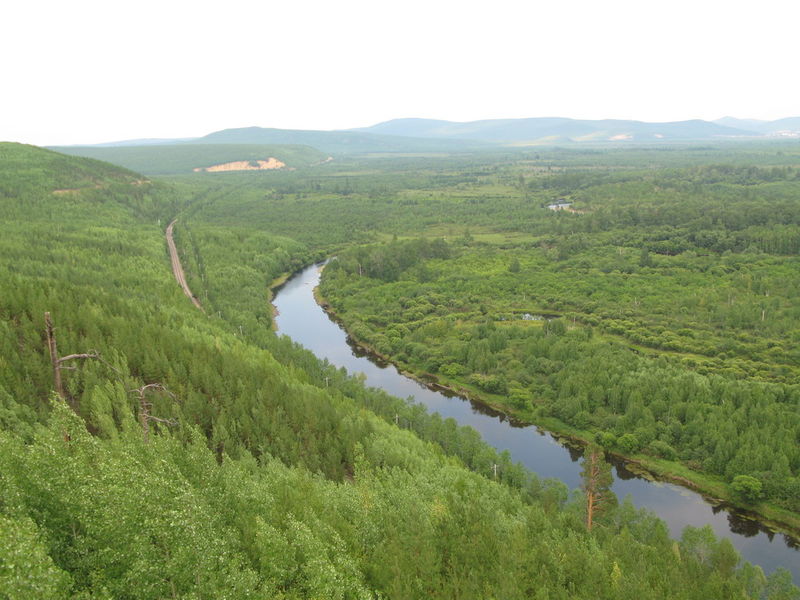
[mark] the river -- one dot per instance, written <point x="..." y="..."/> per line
<point x="300" y="318"/>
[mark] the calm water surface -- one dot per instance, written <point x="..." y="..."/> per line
<point x="305" y="322"/>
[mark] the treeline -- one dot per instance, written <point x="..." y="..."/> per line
<point x="388" y="262"/>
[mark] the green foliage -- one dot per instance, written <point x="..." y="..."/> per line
<point x="628" y="443"/>
<point x="26" y="569"/>
<point x="596" y="481"/>
<point x="390" y="262"/>
<point x="284" y="478"/>
<point x="676" y="291"/>
<point x="663" y="449"/>
<point x="746" y="487"/>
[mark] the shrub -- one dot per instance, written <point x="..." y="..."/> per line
<point x="747" y="488"/>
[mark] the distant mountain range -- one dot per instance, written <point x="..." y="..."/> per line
<point x="331" y="142"/>
<point x="789" y="127"/>
<point x="519" y="132"/>
<point x="344" y="142"/>
<point x="298" y="147"/>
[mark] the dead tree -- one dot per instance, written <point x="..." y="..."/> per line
<point x="58" y="361"/>
<point x="145" y="418"/>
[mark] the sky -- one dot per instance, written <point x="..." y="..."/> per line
<point x="88" y="71"/>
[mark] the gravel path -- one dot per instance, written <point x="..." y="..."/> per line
<point x="177" y="269"/>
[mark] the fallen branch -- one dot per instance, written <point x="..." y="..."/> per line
<point x="76" y="356"/>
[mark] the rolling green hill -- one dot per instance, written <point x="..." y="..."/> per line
<point x="338" y="142"/>
<point x="173" y="159"/>
<point x="24" y="169"/>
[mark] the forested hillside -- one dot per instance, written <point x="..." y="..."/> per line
<point x="184" y="158"/>
<point x="189" y="457"/>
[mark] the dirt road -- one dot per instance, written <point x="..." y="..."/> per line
<point x="177" y="269"/>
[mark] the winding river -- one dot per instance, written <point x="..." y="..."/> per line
<point x="300" y="318"/>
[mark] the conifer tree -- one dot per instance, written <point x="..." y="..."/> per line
<point x="596" y="484"/>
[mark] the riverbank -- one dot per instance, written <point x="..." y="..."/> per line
<point x="272" y="289"/>
<point x="714" y="490"/>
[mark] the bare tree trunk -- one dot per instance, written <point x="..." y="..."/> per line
<point x="144" y="408"/>
<point x="144" y="417"/>
<point x="51" y="344"/>
<point x="58" y="361"/>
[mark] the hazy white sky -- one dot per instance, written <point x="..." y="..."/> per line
<point x="88" y="71"/>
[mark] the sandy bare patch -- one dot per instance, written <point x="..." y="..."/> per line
<point x="244" y="165"/>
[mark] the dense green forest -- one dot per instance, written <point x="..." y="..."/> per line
<point x="266" y="472"/>
<point x="658" y="315"/>
<point x="672" y="265"/>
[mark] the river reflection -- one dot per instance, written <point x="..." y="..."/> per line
<point x="305" y="322"/>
